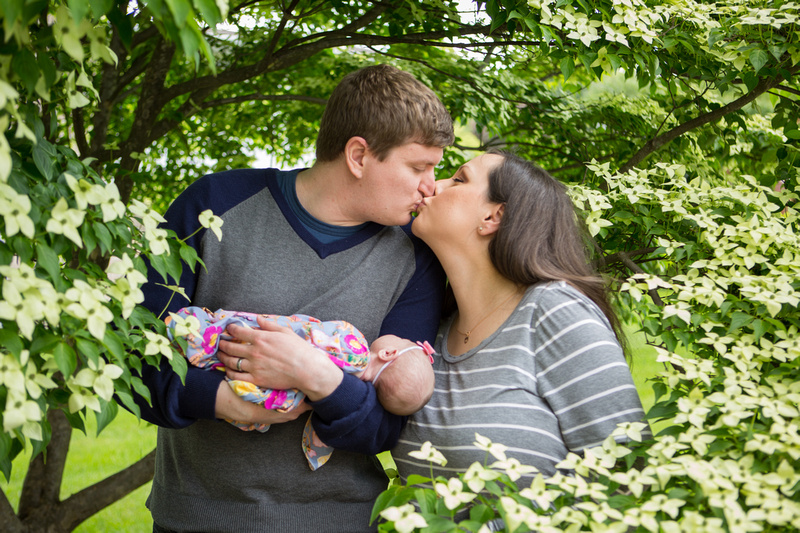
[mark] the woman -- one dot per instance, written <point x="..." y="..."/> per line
<point x="530" y="359"/>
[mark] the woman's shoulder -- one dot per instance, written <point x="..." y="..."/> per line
<point x="560" y="297"/>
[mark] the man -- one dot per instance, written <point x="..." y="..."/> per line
<point x="324" y="242"/>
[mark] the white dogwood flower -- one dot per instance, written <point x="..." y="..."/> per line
<point x="123" y="266"/>
<point x="453" y="493"/>
<point x="212" y="222"/>
<point x="14" y="208"/>
<point x="405" y="518"/>
<point x="85" y="193"/>
<point x="157" y="344"/>
<point x="111" y="205"/>
<point x="428" y="453"/>
<point x="127" y="295"/>
<point x="22" y="412"/>
<point x="150" y="219"/>
<point x="88" y="304"/>
<point x="157" y="237"/>
<point x="485" y="444"/>
<point x="65" y="221"/>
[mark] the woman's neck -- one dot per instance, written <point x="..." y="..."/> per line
<point x="485" y="299"/>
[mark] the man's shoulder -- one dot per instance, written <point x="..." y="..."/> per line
<point x="230" y="181"/>
<point x="221" y="191"/>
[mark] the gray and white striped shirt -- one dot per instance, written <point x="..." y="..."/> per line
<point x="551" y="379"/>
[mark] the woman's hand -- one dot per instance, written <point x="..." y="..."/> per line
<point x="275" y="357"/>
<point x="229" y="406"/>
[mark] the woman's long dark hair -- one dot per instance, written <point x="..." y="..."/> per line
<point x="539" y="237"/>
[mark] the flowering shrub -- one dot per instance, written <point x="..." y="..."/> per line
<point x="717" y="295"/>
<point x="73" y="334"/>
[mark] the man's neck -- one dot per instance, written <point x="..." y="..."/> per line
<point x="326" y="190"/>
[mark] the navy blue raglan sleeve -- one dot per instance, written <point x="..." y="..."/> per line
<point x="351" y="418"/>
<point x="176" y="404"/>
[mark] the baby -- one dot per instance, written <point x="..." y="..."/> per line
<point x="399" y="369"/>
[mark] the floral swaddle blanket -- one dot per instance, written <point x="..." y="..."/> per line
<point x="345" y="345"/>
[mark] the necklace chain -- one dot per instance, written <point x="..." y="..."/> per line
<point x="470" y="330"/>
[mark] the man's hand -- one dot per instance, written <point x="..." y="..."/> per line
<point x="275" y="357"/>
<point x="231" y="407"/>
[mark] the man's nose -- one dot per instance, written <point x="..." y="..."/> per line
<point x="428" y="184"/>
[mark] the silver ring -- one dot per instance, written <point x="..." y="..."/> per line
<point x="239" y="365"/>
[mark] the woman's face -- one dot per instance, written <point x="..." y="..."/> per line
<point x="460" y="204"/>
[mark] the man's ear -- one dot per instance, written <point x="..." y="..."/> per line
<point x="492" y="219"/>
<point x="354" y="152"/>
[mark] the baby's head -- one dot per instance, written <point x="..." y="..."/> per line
<point x="401" y="373"/>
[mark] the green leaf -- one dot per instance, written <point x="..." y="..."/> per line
<point x="108" y="411"/>
<point x="567" y="67"/>
<point x="88" y="237"/>
<point x="103" y="235"/>
<point x="181" y="9"/>
<point x="79" y="9"/>
<point x="5" y="455"/>
<point x="750" y="80"/>
<point x="48" y="260"/>
<point x="24" y="65"/>
<point x="179" y="366"/>
<point x="126" y="398"/>
<point x="12" y="9"/>
<point x="140" y="388"/>
<point x="758" y="58"/>
<point x="11" y="341"/>
<point x="209" y="11"/>
<point x="100" y="7"/>
<point x="189" y="256"/>
<point x="66" y="360"/>
<point x="414" y="479"/>
<point x="114" y="345"/>
<point x="43" y="161"/>
<point x="738" y="320"/>
<point x="44" y="343"/>
<point x="76" y="421"/>
<point x="88" y="349"/>
<point x="381" y="503"/>
<point x="122" y="24"/>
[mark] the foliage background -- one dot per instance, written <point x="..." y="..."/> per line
<point x="676" y="123"/>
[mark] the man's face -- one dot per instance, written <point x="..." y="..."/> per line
<point x="394" y="187"/>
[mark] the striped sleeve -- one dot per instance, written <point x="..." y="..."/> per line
<point x="580" y="368"/>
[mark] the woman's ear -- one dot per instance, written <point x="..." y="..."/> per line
<point x="491" y="222"/>
<point x="354" y="152"/>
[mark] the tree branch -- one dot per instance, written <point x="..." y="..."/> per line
<point x="292" y="54"/>
<point x="90" y="500"/>
<point x="626" y="260"/>
<point x="788" y="89"/>
<point x="273" y="43"/>
<point x="764" y="85"/>
<point x="80" y="131"/>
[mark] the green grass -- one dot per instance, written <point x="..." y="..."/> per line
<point x="92" y="459"/>
<point x="127" y="440"/>
<point x="643" y="367"/>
